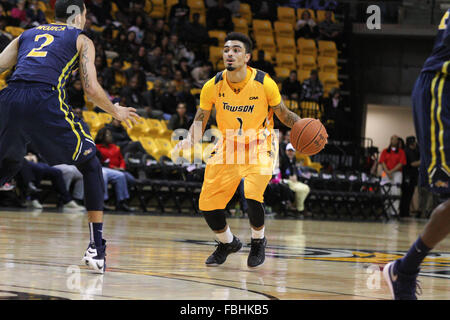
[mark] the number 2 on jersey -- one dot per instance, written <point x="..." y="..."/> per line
<point x="444" y="20"/>
<point x="36" y="52"/>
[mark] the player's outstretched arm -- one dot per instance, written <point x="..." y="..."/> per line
<point x="196" y="130"/>
<point x="93" y="89"/>
<point x="286" y="116"/>
<point x="8" y="58"/>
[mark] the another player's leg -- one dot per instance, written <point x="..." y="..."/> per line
<point x="93" y="194"/>
<point x="227" y="242"/>
<point x="401" y="275"/>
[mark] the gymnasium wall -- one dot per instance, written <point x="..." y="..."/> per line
<point x="384" y="121"/>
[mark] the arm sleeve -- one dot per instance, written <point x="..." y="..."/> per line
<point x="208" y="95"/>
<point x="272" y="92"/>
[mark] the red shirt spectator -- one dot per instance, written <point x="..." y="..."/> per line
<point x="111" y="155"/>
<point x="392" y="156"/>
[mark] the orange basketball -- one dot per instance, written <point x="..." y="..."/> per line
<point x="308" y="136"/>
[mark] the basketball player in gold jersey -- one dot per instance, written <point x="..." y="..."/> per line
<point x="245" y="100"/>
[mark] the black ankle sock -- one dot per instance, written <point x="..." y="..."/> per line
<point x="410" y="263"/>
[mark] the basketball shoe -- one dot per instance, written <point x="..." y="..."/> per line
<point x="257" y="254"/>
<point x="402" y="286"/>
<point x="95" y="258"/>
<point x="223" y="250"/>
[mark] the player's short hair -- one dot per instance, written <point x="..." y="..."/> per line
<point x="63" y="8"/>
<point x="237" y="36"/>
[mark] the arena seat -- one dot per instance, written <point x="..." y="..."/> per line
<point x="329" y="81"/>
<point x="219" y="35"/>
<point x="14" y="31"/>
<point x="282" y="73"/>
<point x="306" y="62"/>
<point x="266" y="43"/>
<point x="283" y="29"/>
<point x="291" y="105"/>
<point x="197" y="6"/>
<point x="215" y="54"/>
<point x="302" y="75"/>
<point x="287" y="45"/>
<point x="286" y="14"/>
<point x="152" y="148"/>
<point x="327" y="64"/>
<point x="301" y="10"/>
<point x="286" y="60"/>
<point x="139" y="129"/>
<point x="321" y="16"/>
<point x="311" y="109"/>
<point x="91" y="118"/>
<point x="155" y="8"/>
<point x="246" y="12"/>
<point x="240" y="25"/>
<point x="104" y="117"/>
<point x="267" y="55"/>
<point x="262" y="28"/>
<point x="327" y="49"/>
<point x="307" y="47"/>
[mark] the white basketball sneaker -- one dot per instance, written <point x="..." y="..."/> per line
<point x="95" y="258"/>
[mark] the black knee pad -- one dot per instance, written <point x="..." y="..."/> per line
<point x="8" y="169"/>
<point x="94" y="187"/>
<point x="255" y="213"/>
<point x="215" y="219"/>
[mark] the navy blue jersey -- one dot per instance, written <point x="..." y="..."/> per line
<point x="47" y="54"/>
<point x="440" y="57"/>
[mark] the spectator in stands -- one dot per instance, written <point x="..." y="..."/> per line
<point x="35" y="15"/>
<point x="164" y="75"/>
<point x="19" y="14"/>
<point x="189" y="99"/>
<point x="75" y="94"/>
<point x="306" y="27"/>
<point x="312" y="88"/>
<point x="72" y="176"/>
<point x="335" y="114"/>
<point x="284" y="139"/>
<point x="263" y="65"/>
<point x="175" y="46"/>
<point x="101" y="9"/>
<point x="114" y="77"/>
<point x="180" y="119"/>
<point x="111" y="156"/>
<point x="121" y="138"/>
<point x="392" y="160"/>
<point x="131" y="45"/>
<point x="410" y="175"/>
<point x="136" y="71"/>
<point x="160" y="30"/>
<point x="179" y="15"/>
<point x="194" y="32"/>
<point x="219" y="17"/>
<point x="264" y="9"/>
<point x="154" y="99"/>
<point x="290" y="173"/>
<point x="139" y="27"/>
<point x="34" y="171"/>
<point x="185" y="69"/>
<point x="142" y="56"/>
<point x="328" y="29"/>
<point x="178" y="81"/>
<point x="155" y="60"/>
<point x="5" y="37"/>
<point x="202" y="74"/>
<point x="133" y="96"/>
<point x="169" y="102"/>
<point x="89" y="31"/>
<point x="291" y="87"/>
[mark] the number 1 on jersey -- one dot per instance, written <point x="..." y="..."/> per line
<point x="36" y="52"/>
<point x="241" y="122"/>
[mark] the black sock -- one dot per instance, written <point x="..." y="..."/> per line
<point x="96" y="233"/>
<point x="410" y="263"/>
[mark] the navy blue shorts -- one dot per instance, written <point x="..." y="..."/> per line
<point x="431" y="106"/>
<point x="37" y="113"/>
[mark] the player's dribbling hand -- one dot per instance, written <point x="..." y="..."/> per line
<point x="126" y="114"/>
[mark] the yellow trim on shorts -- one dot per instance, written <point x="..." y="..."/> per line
<point x="61" y="102"/>
<point x="433" y="124"/>
<point x="440" y="125"/>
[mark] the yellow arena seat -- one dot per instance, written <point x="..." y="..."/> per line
<point x="153" y="148"/>
<point x="281" y="72"/>
<point x="91" y="118"/>
<point x="306" y="62"/>
<point x="291" y="104"/>
<point x="104" y="117"/>
<point x="321" y="16"/>
<point x="327" y="49"/>
<point x="240" y="25"/>
<point x="286" y="60"/>
<point x="302" y="75"/>
<point x="286" y="14"/>
<point x="284" y="29"/>
<point x="266" y="43"/>
<point x="262" y="28"/>
<point x="246" y="12"/>
<point x="267" y="55"/>
<point x="286" y="45"/>
<point x="307" y="47"/>
<point x="219" y="35"/>
<point x="327" y="64"/>
<point x="215" y="54"/>
<point x="14" y="31"/>
<point x="310" y="109"/>
<point x="329" y="81"/>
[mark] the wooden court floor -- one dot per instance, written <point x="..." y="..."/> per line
<point x="162" y="257"/>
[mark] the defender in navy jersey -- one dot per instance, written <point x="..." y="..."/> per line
<point x="431" y="106"/>
<point x="33" y="109"/>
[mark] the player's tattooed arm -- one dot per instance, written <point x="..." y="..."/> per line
<point x="8" y="58"/>
<point x="84" y="61"/>
<point x="198" y="126"/>
<point x="287" y="117"/>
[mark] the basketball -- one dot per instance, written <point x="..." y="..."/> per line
<point x="308" y="136"/>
